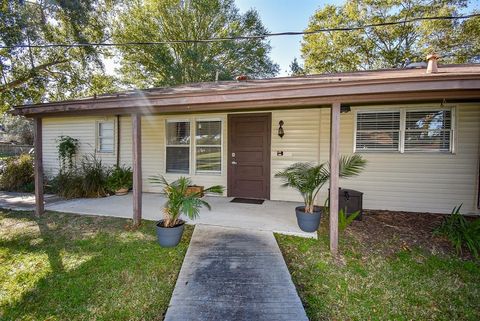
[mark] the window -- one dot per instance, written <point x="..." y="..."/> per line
<point x="178" y="147"/>
<point x="105" y="139"/>
<point x="208" y="146"/>
<point x="404" y="130"/>
<point x="378" y="131"/>
<point x="428" y="130"/>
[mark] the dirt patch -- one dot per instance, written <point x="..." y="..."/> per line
<point x="390" y="231"/>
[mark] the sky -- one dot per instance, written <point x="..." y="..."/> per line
<point x="285" y="15"/>
<point x="293" y="15"/>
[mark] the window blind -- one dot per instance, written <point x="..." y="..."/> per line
<point x="378" y="131"/>
<point x="177" y="147"/>
<point x="428" y="130"/>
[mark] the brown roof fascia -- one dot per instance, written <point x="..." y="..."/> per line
<point x="332" y="91"/>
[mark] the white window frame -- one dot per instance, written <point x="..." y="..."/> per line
<point x="194" y="156"/>
<point x="98" y="147"/>
<point x="167" y="121"/>
<point x="451" y="149"/>
<point x="403" y="114"/>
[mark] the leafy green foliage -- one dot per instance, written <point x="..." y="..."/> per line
<point x="67" y="184"/>
<point x="179" y="201"/>
<point x="120" y="177"/>
<point x="461" y="232"/>
<point x="35" y="74"/>
<point x="388" y="46"/>
<point x="344" y="219"/>
<point x="67" y="149"/>
<point x="296" y="69"/>
<point x="87" y="180"/>
<point x="17" y="129"/>
<point x="179" y="63"/>
<point x="308" y="179"/>
<point x="94" y="177"/>
<point x="17" y="175"/>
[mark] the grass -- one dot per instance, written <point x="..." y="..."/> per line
<point x="411" y="284"/>
<point x="72" y="267"/>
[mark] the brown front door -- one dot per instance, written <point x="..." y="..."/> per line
<point x="249" y="155"/>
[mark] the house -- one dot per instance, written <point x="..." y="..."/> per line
<point x="419" y="131"/>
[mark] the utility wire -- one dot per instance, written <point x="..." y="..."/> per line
<point x="260" y="36"/>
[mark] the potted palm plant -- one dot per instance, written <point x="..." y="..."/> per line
<point x="180" y="200"/>
<point x="308" y="179"/>
<point x="120" y="180"/>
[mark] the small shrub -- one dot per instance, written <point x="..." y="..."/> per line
<point x="345" y="220"/>
<point x="94" y="177"/>
<point x="120" y="177"/>
<point x="461" y="232"/>
<point x="87" y="180"/>
<point x="17" y="175"/>
<point x="68" y="184"/>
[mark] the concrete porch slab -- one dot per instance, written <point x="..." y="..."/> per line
<point x="272" y="216"/>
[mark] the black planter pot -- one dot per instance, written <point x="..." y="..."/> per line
<point x="308" y="222"/>
<point x="169" y="236"/>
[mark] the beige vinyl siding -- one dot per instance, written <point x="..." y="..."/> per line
<point x="415" y="181"/>
<point x="300" y="144"/>
<point x="153" y="149"/>
<point x="82" y="128"/>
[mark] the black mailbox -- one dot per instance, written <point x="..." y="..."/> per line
<point x="351" y="201"/>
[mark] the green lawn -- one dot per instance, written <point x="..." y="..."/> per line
<point x="410" y="283"/>
<point x="72" y="267"/>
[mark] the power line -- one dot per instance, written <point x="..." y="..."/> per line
<point x="252" y="37"/>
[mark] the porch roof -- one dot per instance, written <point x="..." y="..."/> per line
<point x="452" y="82"/>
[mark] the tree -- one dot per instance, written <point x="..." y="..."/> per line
<point x="387" y="46"/>
<point x="179" y="63"/>
<point x="31" y="75"/>
<point x="296" y="69"/>
<point x="17" y="129"/>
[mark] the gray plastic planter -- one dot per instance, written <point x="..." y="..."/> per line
<point x="308" y="222"/>
<point x="169" y="236"/>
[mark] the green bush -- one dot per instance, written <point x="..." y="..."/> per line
<point x="68" y="184"/>
<point x="17" y="175"/>
<point x="67" y="149"/>
<point x="120" y="177"/>
<point x="461" y="232"/>
<point x="94" y="177"/>
<point x="87" y="180"/>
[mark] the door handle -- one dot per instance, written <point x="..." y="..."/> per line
<point x="234" y="163"/>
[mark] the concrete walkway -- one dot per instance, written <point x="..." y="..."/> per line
<point x="24" y="201"/>
<point x="234" y="274"/>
